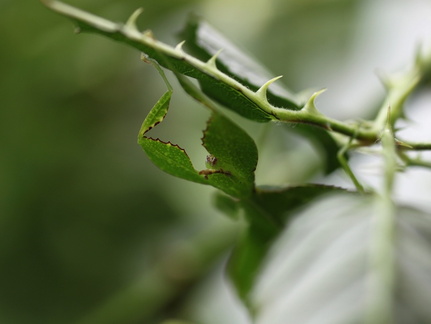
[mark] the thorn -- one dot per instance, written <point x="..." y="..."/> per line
<point x="402" y="144"/>
<point x="212" y="62"/>
<point x="310" y="105"/>
<point x="131" y="22"/>
<point x="179" y="47"/>
<point x="148" y="33"/>
<point x="264" y="89"/>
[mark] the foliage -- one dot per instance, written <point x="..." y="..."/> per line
<point x="308" y="253"/>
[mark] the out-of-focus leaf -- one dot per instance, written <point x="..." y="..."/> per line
<point x="324" y="269"/>
<point x="280" y="202"/>
<point x="203" y="41"/>
<point x="226" y="205"/>
<point x="267" y="213"/>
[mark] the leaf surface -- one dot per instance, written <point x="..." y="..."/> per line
<point x="323" y="268"/>
<point x="235" y="156"/>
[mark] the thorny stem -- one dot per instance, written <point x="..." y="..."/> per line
<point x="365" y="134"/>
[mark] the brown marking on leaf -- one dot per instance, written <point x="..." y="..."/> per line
<point x="151" y="127"/>
<point x="208" y="172"/>
<point x="209" y="121"/>
<point x="167" y="143"/>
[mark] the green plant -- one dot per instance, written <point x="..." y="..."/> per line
<point x="308" y="250"/>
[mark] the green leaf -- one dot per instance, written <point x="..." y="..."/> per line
<point x="267" y="213"/>
<point x="171" y="158"/>
<point x="280" y="202"/>
<point x="233" y="156"/>
<point x="167" y="156"/>
<point x="335" y="263"/>
<point x="204" y="42"/>
<point x="226" y="205"/>
<point x="156" y="115"/>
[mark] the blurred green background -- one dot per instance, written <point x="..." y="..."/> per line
<point x="90" y="230"/>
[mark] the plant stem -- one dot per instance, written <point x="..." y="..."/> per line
<point x="366" y="135"/>
<point x="382" y="259"/>
<point x="415" y="146"/>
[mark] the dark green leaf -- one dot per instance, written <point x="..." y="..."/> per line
<point x="280" y="202"/>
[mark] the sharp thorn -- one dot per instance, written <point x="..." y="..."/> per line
<point x="212" y="62"/>
<point x="131" y="22"/>
<point x="179" y="47"/>
<point x="264" y="89"/>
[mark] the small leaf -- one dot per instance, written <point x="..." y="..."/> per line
<point x="165" y="155"/>
<point x="156" y="115"/>
<point x="234" y="156"/>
